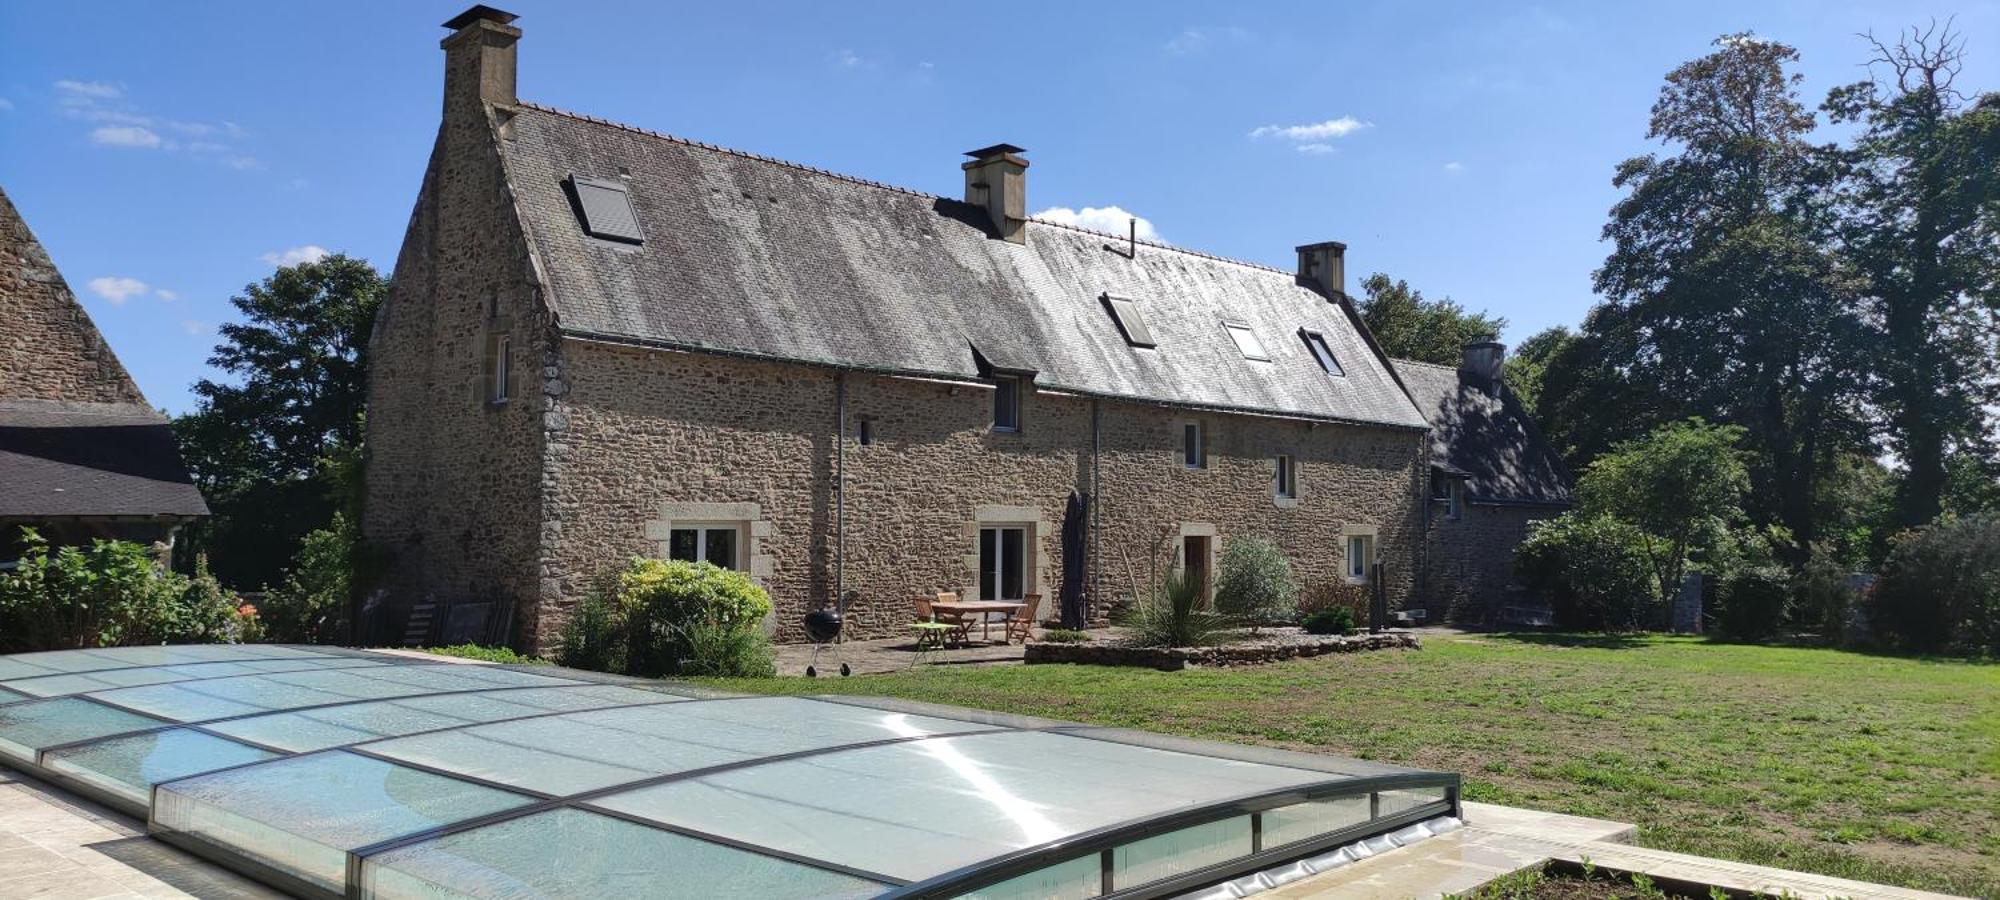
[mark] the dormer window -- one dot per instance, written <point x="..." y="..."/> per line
<point x="1322" y="354"/>
<point x="1131" y="320"/>
<point x="1246" y="341"/>
<point x="1007" y="404"/>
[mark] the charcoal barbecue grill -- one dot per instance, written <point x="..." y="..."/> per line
<point x="823" y="629"/>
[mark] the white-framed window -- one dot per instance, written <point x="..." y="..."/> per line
<point x="1246" y="341"/>
<point x="1007" y="404"/>
<point x="499" y="369"/>
<point x="1322" y="354"/>
<point x="1446" y="491"/>
<point x="1194" y="446"/>
<point x="1360" y="555"/>
<point x="1285" y="478"/>
<point x="718" y="543"/>
<point x="1003" y="562"/>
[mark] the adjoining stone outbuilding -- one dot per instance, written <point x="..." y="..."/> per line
<point x="604" y="342"/>
<point x="1492" y="476"/>
<point x="82" y="455"/>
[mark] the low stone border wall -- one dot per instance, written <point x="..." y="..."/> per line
<point x="1172" y="659"/>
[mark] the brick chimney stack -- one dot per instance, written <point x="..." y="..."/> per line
<point x="479" y="60"/>
<point x="1324" y="266"/>
<point x="997" y="179"/>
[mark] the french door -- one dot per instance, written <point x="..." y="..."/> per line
<point x="1003" y="563"/>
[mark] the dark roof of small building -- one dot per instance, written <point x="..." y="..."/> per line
<point x="1484" y="436"/>
<point x="92" y="460"/>
<point x="747" y="255"/>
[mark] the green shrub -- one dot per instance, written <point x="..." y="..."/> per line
<point x="726" y="651"/>
<point x="1596" y="571"/>
<point x="1821" y="600"/>
<point x="112" y="593"/>
<point x="310" y="604"/>
<point x="666" y="606"/>
<point x="1172" y="616"/>
<point x="1333" y="620"/>
<point x="1752" y="603"/>
<point x="1064" y="636"/>
<point x="1940" y="587"/>
<point x="593" y="637"/>
<point x="1255" y="586"/>
<point x="502" y="655"/>
<point x="1335" y="593"/>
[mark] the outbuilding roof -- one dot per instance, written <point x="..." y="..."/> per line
<point x="742" y="254"/>
<point x="1481" y="433"/>
<point x="91" y="460"/>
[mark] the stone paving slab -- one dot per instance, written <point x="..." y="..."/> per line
<point x="57" y="847"/>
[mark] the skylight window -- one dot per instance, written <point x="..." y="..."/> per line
<point x="1322" y="354"/>
<point x="1246" y="341"/>
<point x="605" y="207"/>
<point x="1131" y="320"/>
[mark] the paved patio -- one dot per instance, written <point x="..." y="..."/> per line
<point x="899" y="653"/>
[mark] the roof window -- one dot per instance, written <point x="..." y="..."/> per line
<point x="605" y="207"/>
<point x="1322" y="354"/>
<point x="1130" y="319"/>
<point x="1246" y="341"/>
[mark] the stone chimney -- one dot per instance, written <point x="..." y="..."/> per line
<point x="1324" y="266"/>
<point x="1482" y="364"/>
<point x="479" y="60"/>
<point x="997" y="179"/>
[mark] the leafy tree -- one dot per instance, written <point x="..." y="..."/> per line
<point x="1256" y="583"/>
<point x="1683" y="484"/>
<point x="1922" y="191"/>
<point x="1722" y="295"/>
<point x="1408" y="326"/>
<point x="1529" y="364"/>
<point x="1596" y="570"/>
<point x="297" y="364"/>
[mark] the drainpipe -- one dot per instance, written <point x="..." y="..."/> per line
<point x="840" y="495"/>
<point x="1096" y="500"/>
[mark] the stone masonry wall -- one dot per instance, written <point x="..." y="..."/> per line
<point x="1471" y="558"/>
<point x="453" y="480"/>
<point x="49" y="349"/>
<point x="642" y="439"/>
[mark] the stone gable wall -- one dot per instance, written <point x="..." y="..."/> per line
<point x="452" y="492"/>
<point x="644" y="438"/>
<point x="1471" y="559"/>
<point x="49" y="349"/>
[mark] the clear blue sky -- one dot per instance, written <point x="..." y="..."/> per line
<point x="167" y="153"/>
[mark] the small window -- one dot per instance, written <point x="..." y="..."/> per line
<point x="1285" y="480"/>
<point x="1322" y="354"/>
<point x="1246" y="341"/>
<point x="1360" y="555"/>
<point x="498" y="375"/>
<point x="705" y="543"/>
<point x="605" y="206"/>
<point x="1194" y="452"/>
<point x="1131" y="320"/>
<point x="1007" y="404"/>
<point x="1445" y="491"/>
<point x="864" y="433"/>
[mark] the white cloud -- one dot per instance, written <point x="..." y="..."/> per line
<point x="1196" y="40"/>
<point x="1312" y="132"/>
<point x="1110" y="219"/>
<point x="89" y="90"/>
<point x="126" y="136"/>
<point x="193" y="327"/>
<point x="167" y="295"/>
<point x="848" y="59"/>
<point x="1454" y="166"/>
<point x="292" y="257"/>
<point x="1315" y="148"/>
<point x="117" y="289"/>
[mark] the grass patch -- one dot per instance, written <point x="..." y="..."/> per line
<point x="503" y="655"/>
<point x="1873" y="767"/>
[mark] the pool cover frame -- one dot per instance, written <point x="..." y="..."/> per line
<point x="984" y="873"/>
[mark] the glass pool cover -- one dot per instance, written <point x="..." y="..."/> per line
<point x="332" y="772"/>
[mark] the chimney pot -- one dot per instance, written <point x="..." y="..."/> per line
<point x="479" y="59"/>
<point x="1324" y="266"/>
<point x="1483" y="363"/>
<point x="997" y="179"/>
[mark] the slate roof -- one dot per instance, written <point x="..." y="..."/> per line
<point x="91" y="460"/>
<point x="1488" y="439"/>
<point x="753" y="256"/>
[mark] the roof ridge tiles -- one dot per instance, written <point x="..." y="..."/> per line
<point x="866" y="182"/>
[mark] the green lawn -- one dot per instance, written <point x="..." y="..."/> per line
<point x="1871" y="767"/>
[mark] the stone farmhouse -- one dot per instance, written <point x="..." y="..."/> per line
<point x="604" y="342"/>
<point x="82" y="455"/>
